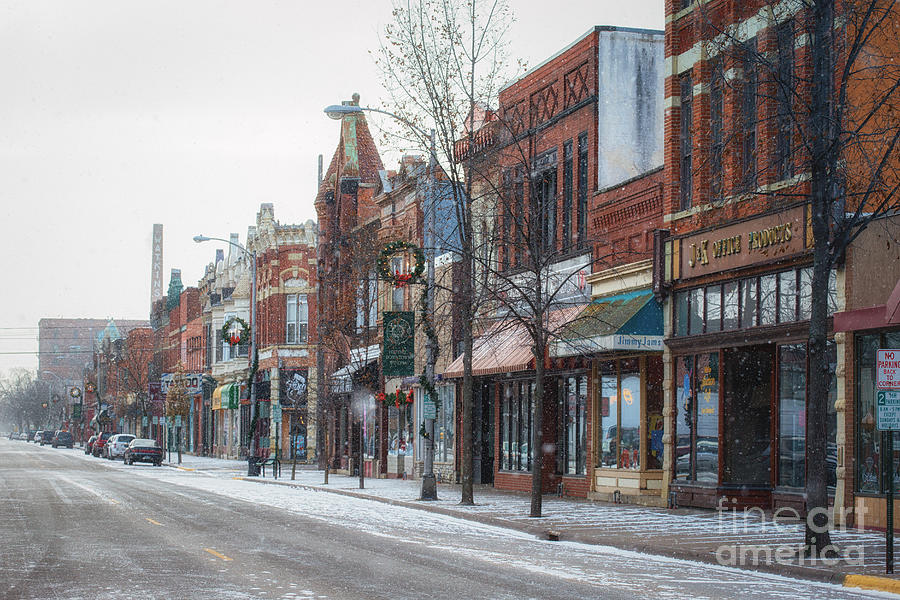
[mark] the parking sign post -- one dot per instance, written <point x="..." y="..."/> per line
<point x="887" y="404"/>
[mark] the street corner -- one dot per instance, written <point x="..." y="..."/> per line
<point x="871" y="582"/>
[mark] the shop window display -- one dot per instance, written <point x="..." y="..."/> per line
<point x="623" y="385"/>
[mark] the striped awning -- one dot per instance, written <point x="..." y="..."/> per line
<point x="226" y="396"/>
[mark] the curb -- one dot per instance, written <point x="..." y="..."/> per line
<point x="870" y="582"/>
<point x="794" y="571"/>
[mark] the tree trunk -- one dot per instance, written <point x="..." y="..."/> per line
<point x="822" y="185"/>
<point x="466" y="467"/>
<point x="537" y="438"/>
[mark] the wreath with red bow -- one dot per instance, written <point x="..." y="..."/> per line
<point x="396" y="278"/>
<point x="396" y="398"/>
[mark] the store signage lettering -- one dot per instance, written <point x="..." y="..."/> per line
<point x="734" y="246"/>
<point x="756" y="240"/>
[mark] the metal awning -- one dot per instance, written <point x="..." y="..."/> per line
<point x="506" y="346"/>
<point x="629" y="321"/>
<point x="342" y="379"/>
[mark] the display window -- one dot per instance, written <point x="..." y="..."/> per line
<point x="629" y="401"/>
<point x="573" y="424"/>
<point x="517" y="409"/>
<point x="870" y="472"/>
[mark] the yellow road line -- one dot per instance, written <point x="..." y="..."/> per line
<point x="869" y="582"/>
<point x="113" y="501"/>
<point x="216" y="554"/>
<point x="184" y="469"/>
<point x="152" y="521"/>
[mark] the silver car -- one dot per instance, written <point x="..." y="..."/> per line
<point x="115" y="445"/>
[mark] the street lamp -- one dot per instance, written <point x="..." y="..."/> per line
<point x="338" y="112"/>
<point x="64" y="382"/>
<point x="252" y="466"/>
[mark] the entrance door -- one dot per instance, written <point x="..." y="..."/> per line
<point x="483" y="432"/>
<point x="748" y="416"/>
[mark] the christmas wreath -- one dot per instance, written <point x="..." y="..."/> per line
<point x="398" y="279"/>
<point x="396" y="398"/>
<point x="227" y="333"/>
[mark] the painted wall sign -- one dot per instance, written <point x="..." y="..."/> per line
<point x="758" y="240"/>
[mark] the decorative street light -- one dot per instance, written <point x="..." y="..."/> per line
<point x="337" y="112"/>
<point x="64" y="382"/>
<point x="252" y="466"/>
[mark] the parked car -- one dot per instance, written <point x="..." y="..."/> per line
<point x="116" y="445"/>
<point x="90" y="444"/>
<point x="46" y="437"/>
<point x="36" y="436"/>
<point x="143" y="450"/>
<point x="63" y="438"/>
<point x="99" y="443"/>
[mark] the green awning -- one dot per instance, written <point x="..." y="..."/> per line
<point x="629" y="321"/>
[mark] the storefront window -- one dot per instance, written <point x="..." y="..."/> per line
<point x="370" y="437"/>
<point x="609" y="414"/>
<point x="713" y="308"/>
<point x="695" y="325"/>
<point x="730" y="306"/>
<point x="443" y="425"/>
<point x="868" y="438"/>
<point x="400" y="430"/>
<point x="654" y="404"/>
<point x="630" y="435"/>
<point x="787" y="297"/>
<point x="681" y="313"/>
<point x="621" y="395"/>
<point x="782" y="297"/>
<point x="767" y="299"/>
<point x="684" y="418"/>
<point x="573" y="401"/>
<point x="516" y="423"/>
<point x="697" y="418"/>
<point x="792" y="415"/>
<point x="748" y="303"/>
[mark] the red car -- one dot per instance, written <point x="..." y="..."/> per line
<point x="143" y="450"/>
<point x="90" y="444"/>
<point x="97" y="447"/>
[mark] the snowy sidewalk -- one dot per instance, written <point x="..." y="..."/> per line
<point x="744" y="540"/>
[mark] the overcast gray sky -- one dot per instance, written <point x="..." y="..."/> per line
<point x="117" y="114"/>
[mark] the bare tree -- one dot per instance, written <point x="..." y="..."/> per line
<point x="442" y="61"/>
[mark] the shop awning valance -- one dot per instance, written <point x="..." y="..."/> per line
<point x="624" y="322"/>
<point x="226" y="396"/>
<point x="506" y="346"/>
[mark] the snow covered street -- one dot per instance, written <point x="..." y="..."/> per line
<point x="79" y="527"/>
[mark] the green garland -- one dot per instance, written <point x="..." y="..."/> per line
<point x="383" y="263"/>
<point x="245" y="330"/>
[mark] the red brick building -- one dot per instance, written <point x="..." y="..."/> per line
<point x="738" y="265"/>
<point x="286" y="322"/>
<point x="566" y="137"/>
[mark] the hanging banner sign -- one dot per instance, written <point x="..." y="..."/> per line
<point x="143" y="421"/>
<point x="276" y="413"/>
<point x="398" y="354"/>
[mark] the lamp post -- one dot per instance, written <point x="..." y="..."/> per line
<point x="252" y="466"/>
<point x="65" y="415"/>
<point x="337" y="112"/>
